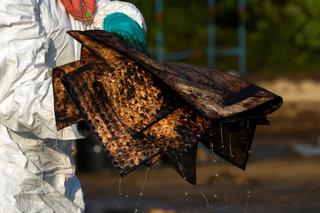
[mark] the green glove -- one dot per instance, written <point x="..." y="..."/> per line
<point x="127" y="29"/>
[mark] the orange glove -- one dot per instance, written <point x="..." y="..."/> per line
<point x="82" y="10"/>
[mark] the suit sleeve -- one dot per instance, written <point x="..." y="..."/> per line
<point x="26" y="94"/>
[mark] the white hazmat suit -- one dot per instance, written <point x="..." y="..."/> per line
<point x="36" y="167"/>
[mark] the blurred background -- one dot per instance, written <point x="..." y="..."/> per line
<point x="272" y="43"/>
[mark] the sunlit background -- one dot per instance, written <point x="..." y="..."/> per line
<point x="273" y="43"/>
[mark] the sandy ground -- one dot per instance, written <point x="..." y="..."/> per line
<point x="277" y="179"/>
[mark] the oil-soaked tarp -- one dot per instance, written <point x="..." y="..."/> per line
<point x="141" y="109"/>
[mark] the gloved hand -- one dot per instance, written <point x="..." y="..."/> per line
<point x="127" y="29"/>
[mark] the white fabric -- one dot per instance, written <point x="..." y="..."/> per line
<point x="36" y="168"/>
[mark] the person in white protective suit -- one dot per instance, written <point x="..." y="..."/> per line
<point x="36" y="167"/>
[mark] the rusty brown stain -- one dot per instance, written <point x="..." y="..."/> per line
<point x="65" y="111"/>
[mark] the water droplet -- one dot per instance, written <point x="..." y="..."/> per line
<point x="221" y="135"/>
<point x="97" y="149"/>
<point x="186" y="196"/>
<point x="119" y="189"/>
<point x="144" y="183"/>
<point x="211" y="146"/>
<point x="206" y="199"/>
<point x="230" y="145"/>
